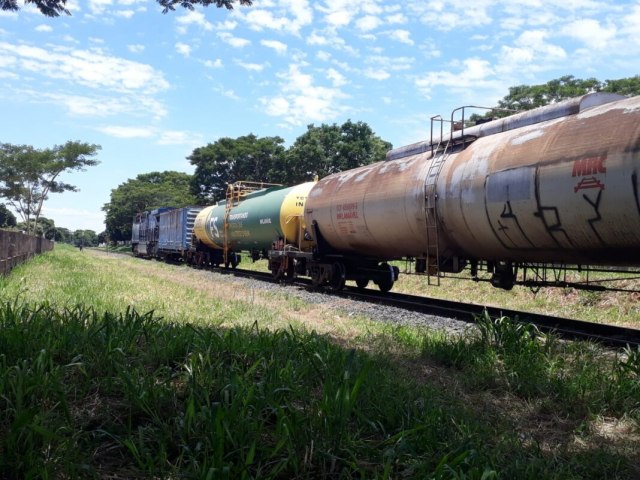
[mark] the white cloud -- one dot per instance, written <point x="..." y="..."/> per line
<point x="90" y="68"/>
<point x="193" y="17"/>
<point x="279" y="47"/>
<point x="531" y="52"/>
<point x="402" y="36"/>
<point x="98" y="7"/>
<point x="217" y="63"/>
<point x="137" y="48"/>
<point x="176" y="137"/>
<point x="227" y="25"/>
<point x="301" y="101"/>
<point x="475" y="73"/>
<point x="323" y="56"/>
<point x="376" y="74"/>
<point x="337" y="79"/>
<point x="590" y="32"/>
<point x="233" y="41"/>
<point x="127" y="132"/>
<point x="125" y="13"/>
<point x="227" y="92"/>
<point x="99" y="106"/>
<point x="398" y="18"/>
<point x="163" y="137"/>
<point x="315" y="38"/>
<point x="446" y="15"/>
<point x="391" y="63"/>
<point x="183" y="49"/>
<point x="44" y="28"/>
<point x="288" y="16"/>
<point x="252" y="67"/>
<point x="340" y="13"/>
<point x="368" y="23"/>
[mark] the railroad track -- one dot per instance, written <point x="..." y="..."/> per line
<point x="610" y="335"/>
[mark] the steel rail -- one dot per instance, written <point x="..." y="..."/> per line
<point x="610" y="335"/>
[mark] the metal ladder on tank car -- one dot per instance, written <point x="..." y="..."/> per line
<point x="438" y="156"/>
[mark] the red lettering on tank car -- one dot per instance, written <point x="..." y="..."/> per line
<point x="347" y="211"/>
<point x="589" y="166"/>
<point x="588" y="182"/>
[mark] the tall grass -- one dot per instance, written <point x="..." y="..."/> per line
<point x="517" y="357"/>
<point x="233" y="392"/>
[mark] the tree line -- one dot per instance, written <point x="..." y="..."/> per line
<point x="318" y="152"/>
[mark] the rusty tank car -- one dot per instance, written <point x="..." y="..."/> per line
<point x="555" y="185"/>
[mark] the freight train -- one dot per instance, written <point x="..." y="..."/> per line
<point x="546" y="188"/>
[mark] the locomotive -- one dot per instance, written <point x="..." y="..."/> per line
<point x="554" y="186"/>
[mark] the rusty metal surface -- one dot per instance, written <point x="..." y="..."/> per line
<point x="562" y="190"/>
<point x="376" y="210"/>
<point x="565" y="190"/>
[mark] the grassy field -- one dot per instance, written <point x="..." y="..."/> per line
<point x="114" y="367"/>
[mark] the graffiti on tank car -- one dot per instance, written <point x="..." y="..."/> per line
<point x="636" y="190"/>
<point x="514" y="234"/>
<point x="347" y="211"/>
<point x="596" y="208"/>
<point x="587" y="168"/>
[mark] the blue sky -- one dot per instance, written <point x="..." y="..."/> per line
<point x="149" y="88"/>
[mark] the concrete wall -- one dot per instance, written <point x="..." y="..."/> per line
<point x="16" y="247"/>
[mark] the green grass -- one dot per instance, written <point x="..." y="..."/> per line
<point x="218" y="384"/>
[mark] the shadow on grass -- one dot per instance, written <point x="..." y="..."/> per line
<point x="133" y="396"/>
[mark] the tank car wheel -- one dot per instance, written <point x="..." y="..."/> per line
<point x="338" y="277"/>
<point x="362" y="283"/>
<point x="386" y="283"/>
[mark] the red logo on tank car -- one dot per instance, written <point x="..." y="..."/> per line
<point x="586" y="168"/>
<point x="589" y="166"/>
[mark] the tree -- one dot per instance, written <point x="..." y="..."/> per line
<point x="54" y="8"/>
<point x="328" y="149"/>
<point x="85" y="238"/>
<point x="145" y="192"/>
<point x="230" y="160"/>
<point x="43" y="227"/>
<point x="7" y="219"/>
<point x="63" y="235"/>
<point x="527" y="97"/>
<point x="28" y="175"/>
